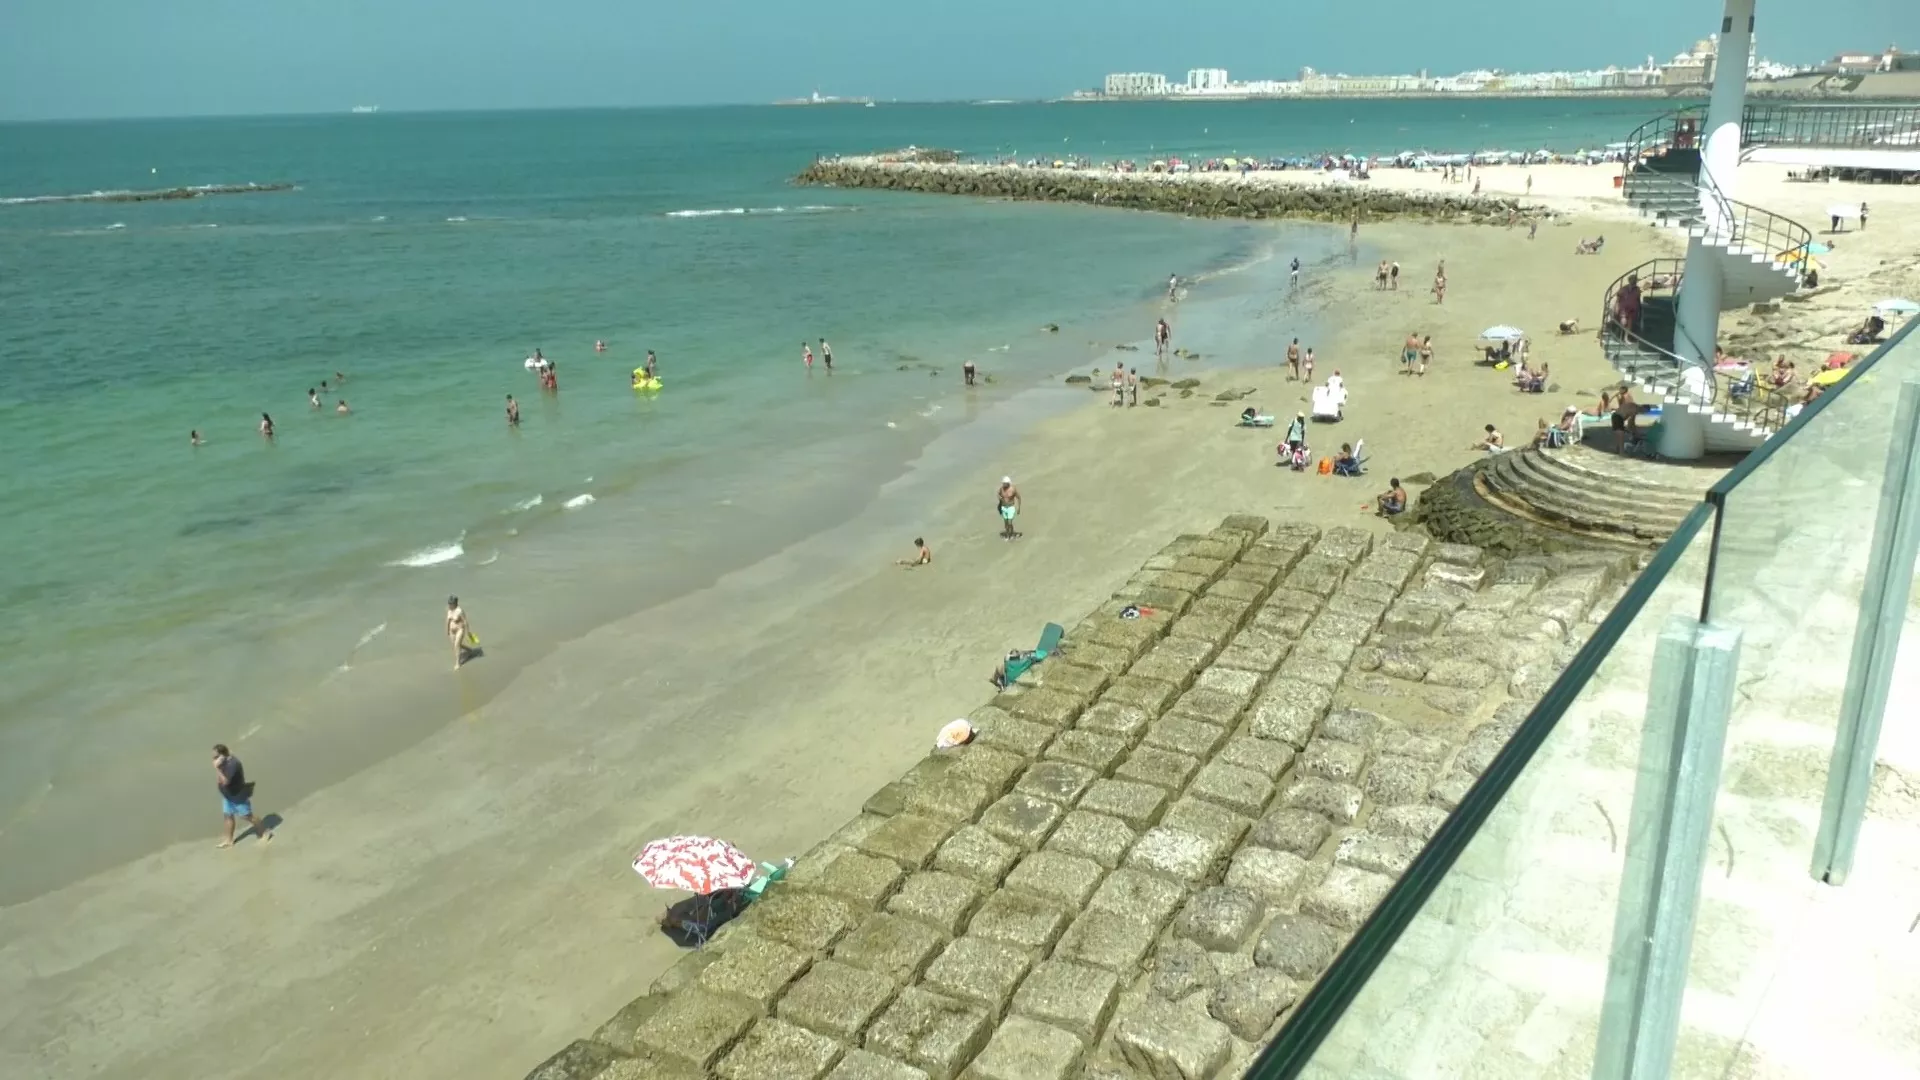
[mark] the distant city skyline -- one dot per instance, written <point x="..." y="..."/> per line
<point x="74" y="59"/>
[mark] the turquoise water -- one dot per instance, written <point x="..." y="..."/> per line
<point x="160" y="596"/>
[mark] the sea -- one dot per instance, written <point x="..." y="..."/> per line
<point x="160" y="596"/>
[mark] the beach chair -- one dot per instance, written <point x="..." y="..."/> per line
<point x="1359" y="466"/>
<point x="1261" y="420"/>
<point x="769" y="873"/>
<point x="1327" y="405"/>
<point x="1017" y="666"/>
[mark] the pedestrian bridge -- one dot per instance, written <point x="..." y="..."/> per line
<point x="1833" y="136"/>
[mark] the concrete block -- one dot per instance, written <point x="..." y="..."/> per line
<point x="1288" y="711"/>
<point x="1356" y="726"/>
<point x="1215" y="823"/>
<point x="1179" y="968"/>
<point x="1399" y="742"/>
<point x="1025" y="1049"/>
<point x="755" y="969"/>
<point x="836" y="1000"/>
<point x="1293" y="601"/>
<point x="937" y="898"/>
<point x="980" y="971"/>
<point x="1187" y="735"/>
<point x="581" y="1059"/>
<point x="1103" y="839"/>
<point x="1277" y="877"/>
<point x="1092" y="749"/>
<point x="992" y="767"/>
<point x="1175" y="854"/>
<point x="1345" y="544"/>
<point x="1106" y="659"/>
<point x="1106" y="940"/>
<point x="891" y="946"/>
<point x="861" y="880"/>
<point x="1077" y="998"/>
<point x="1398" y="781"/>
<point x="1151" y="696"/>
<point x="1317" y="575"/>
<point x="1255" y="651"/>
<point x="1054" y="708"/>
<point x="1220" y="919"/>
<point x="866" y="1065"/>
<point x="1337" y="802"/>
<point x="931" y="1031"/>
<point x="1324" y="649"/>
<point x="1207" y="569"/>
<point x="1161" y="768"/>
<point x="1056" y="673"/>
<point x="1140" y="896"/>
<point x="1263" y="756"/>
<point x="1253" y="525"/>
<point x="1235" y="788"/>
<point x="1414" y="822"/>
<point x="1330" y="760"/>
<point x="1210" y="612"/>
<point x="1288" y="829"/>
<point x="1208" y="706"/>
<point x="1389" y="855"/>
<point x="1345" y="897"/>
<point x="907" y="839"/>
<point x="1230" y="587"/>
<point x="1249" y="1002"/>
<point x="696" y="1026"/>
<point x="1136" y="803"/>
<point x="1056" y="876"/>
<point x="1176" y="660"/>
<point x="1164" y="1041"/>
<point x="775" y="1050"/>
<point x="1022" y="820"/>
<point x="1357" y="598"/>
<point x="807" y="921"/>
<point x="1260" y="574"/>
<point x="1133" y="637"/>
<point x="1449" y="790"/>
<point x="1112" y="719"/>
<point x="1298" y="946"/>
<point x="1460" y="674"/>
<point x="997" y="728"/>
<point x="688" y="969"/>
<point x="1280" y="556"/>
<point x="978" y="855"/>
<point x="1021" y="920"/>
<point x="1059" y="781"/>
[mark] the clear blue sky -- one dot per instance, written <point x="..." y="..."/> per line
<point x="108" y="58"/>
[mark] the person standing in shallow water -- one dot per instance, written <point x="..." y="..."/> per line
<point x="459" y="631"/>
<point x="806" y="356"/>
<point x="266" y="427"/>
<point x="826" y="355"/>
<point x="513" y="412"/>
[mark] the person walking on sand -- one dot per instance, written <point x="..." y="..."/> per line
<point x="806" y="356"/>
<point x="513" y="412"/>
<point x="1306" y="365"/>
<point x="1426" y="355"/>
<point x="1409" y="353"/>
<point x="1380" y="275"/>
<point x="459" y="631"/>
<point x="1009" y="503"/>
<point x="1393" y="276"/>
<point x="1133" y="387"/>
<point x="236" y="795"/>
<point x="1293" y="275"/>
<point x="826" y="355"/>
<point x="1440" y="284"/>
<point x="1118" y="381"/>
<point x="1863" y="217"/>
<point x="1293" y="360"/>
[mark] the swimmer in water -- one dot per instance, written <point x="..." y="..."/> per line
<point x="513" y="412"/>
<point x="599" y="346"/>
<point x="341" y="407"/>
<point x="323" y="386"/>
<point x="193" y="438"/>
<point x="266" y="427"/>
<point x="339" y="377"/>
<point x="313" y="398"/>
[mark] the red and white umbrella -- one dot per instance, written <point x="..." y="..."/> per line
<point x="698" y="864"/>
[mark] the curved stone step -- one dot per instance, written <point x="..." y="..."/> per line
<point x="1513" y="483"/>
<point x="1680" y="486"/>
<point x="1601" y="494"/>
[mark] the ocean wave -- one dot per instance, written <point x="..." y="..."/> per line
<point x="744" y="211"/>
<point x="526" y="504"/>
<point x="491" y="559"/>
<point x="433" y="556"/>
<point x="577" y="502"/>
<point x="367" y="638"/>
<point x="456" y="220"/>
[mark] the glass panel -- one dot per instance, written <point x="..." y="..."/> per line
<point x="1795" y="531"/>
<point x="1502" y="964"/>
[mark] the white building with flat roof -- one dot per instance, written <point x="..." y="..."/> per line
<point x="1207" y="80"/>
<point x="1137" y="84"/>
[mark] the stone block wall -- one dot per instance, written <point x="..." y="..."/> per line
<point x="1159" y="839"/>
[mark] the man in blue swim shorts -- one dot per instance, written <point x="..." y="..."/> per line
<point x="1009" y="499"/>
<point x="236" y="794"/>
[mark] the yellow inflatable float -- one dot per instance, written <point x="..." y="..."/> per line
<point x="643" y="381"/>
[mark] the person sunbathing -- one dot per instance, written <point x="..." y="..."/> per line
<point x="1569" y="326"/>
<point x="1344" y="463"/>
<point x="1783" y="372"/>
<point x="1492" y="442"/>
<point x="1391" y="501"/>
<point x="922" y="555"/>
<point x="1869" y="331"/>
<point x="1591" y="247"/>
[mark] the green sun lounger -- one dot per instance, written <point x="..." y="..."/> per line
<point x="1049" y="641"/>
<point x="769" y="873"/>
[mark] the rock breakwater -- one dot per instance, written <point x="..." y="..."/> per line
<point x="155" y="195"/>
<point x="1205" y="194"/>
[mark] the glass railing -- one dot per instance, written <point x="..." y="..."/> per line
<point x="1634" y="886"/>
<point x="1832" y="126"/>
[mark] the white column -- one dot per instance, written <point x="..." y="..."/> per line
<point x="1703" y="287"/>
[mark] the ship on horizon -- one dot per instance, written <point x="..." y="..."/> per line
<point x="366" y="108"/>
<point x="826" y="99"/>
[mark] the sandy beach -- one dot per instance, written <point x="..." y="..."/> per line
<point x="465" y="907"/>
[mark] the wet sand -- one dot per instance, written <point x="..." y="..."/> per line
<point x="465" y="907"/>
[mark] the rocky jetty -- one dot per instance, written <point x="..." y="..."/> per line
<point x="156" y="195"/>
<point x="1158" y="840"/>
<point x="1207" y="194"/>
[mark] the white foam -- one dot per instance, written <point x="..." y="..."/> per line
<point x="432" y="556"/>
<point x="527" y="504"/>
<point x="577" y="502"/>
<point x="491" y="559"/>
<point x="367" y="638"/>
<point x="456" y="219"/>
<point x="742" y="211"/>
<point x="118" y="225"/>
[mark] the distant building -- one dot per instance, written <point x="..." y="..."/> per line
<point x="1207" y="80"/>
<point x="1857" y="63"/>
<point x="1137" y="84"/>
<point x="1691" y="68"/>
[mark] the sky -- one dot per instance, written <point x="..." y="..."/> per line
<point x="64" y="59"/>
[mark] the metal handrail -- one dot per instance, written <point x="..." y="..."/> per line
<point x="1831" y="126"/>
<point x="1725" y="220"/>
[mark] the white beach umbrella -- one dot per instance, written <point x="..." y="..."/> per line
<point x="1843" y="210"/>
<point x="1502" y="333"/>
<point x="1896" y="306"/>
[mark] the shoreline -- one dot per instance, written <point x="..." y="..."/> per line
<point x="465" y="903"/>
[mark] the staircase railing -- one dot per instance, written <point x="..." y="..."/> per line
<point x="1726" y="221"/>
<point x="1642" y="359"/>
